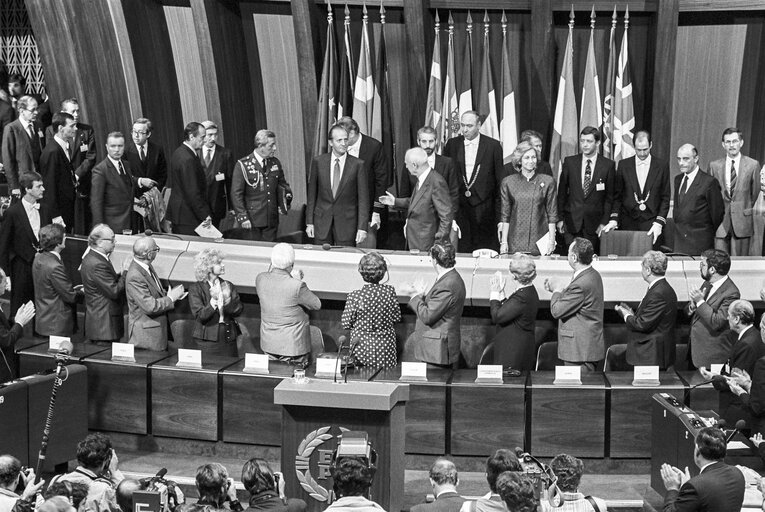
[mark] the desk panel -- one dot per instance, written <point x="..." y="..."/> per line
<point x="36" y="358"/>
<point x="704" y="397"/>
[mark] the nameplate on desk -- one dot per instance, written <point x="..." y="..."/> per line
<point x="489" y="374"/>
<point x="326" y="367"/>
<point x="716" y="368"/>
<point x="256" y="363"/>
<point x="56" y="342"/>
<point x="646" y="376"/>
<point x="123" y="352"/>
<point x="189" y="358"/>
<point x="414" y="371"/>
<point x="568" y="375"/>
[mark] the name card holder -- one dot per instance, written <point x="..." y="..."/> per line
<point x="123" y="352"/>
<point x="568" y="376"/>
<point x="55" y="343"/>
<point x="256" y="363"/>
<point x="414" y="372"/>
<point x="147" y="501"/>
<point x="489" y="374"/>
<point x="716" y="368"/>
<point x="328" y="367"/>
<point x="189" y="358"/>
<point x="646" y="376"/>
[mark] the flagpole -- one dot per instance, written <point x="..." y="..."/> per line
<point x="434" y="103"/>
<point x="508" y="129"/>
<point x="450" y="105"/>
<point x="326" y="113"/>
<point x="466" y="93"/>
<point x="608" y="100"/>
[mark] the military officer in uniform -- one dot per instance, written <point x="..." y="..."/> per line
<point x="259" y="191"/>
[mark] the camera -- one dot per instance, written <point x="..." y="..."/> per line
<point x="24" y="474"/>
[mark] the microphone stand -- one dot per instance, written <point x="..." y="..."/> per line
<point x="351" y="347"/>
<point x="337" y="360"/>
<point x="61" y="358"/>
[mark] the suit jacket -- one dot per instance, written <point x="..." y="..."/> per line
<point x="17" y="240"/>
<point x="579" y="310"/>
<point x="446" y="502"/>
<point x="111" y="195"/>
<point x="744" y="354"/>
<point x="698" y="215"/>
<point x="188" y="200"/>
<point x="284" y="305"/>
<point x="515" y="341"/>
<point x="586" y="213"/>
<point x="652" y="328"/>
<point x="254" y="190"/>
<point x="7" y="114"/>
<point x="349" y="211"/>
<point x="207" y="317"/>
<point x="9" y="334"/>
<point x="719" y="488"/>
<point x="754" y="401"/>
<point x="439" y="312"/>
<point x="656" y="194"/>
<point x="429" y="213"/>
<point x="488" y="163"/>
<point x="83" y="151"/>
<point x="737" y="218"/>
<point x="446" y="167"/>
<point x="222" y="164"/>
<point x="104" y="298"/>
<point x="709" y="323"/>
<point x="20" y="155"/>
<point x="147" y="309"/>
<point x="54" y="296"/>
<point x="377" y="169"/>
<point x="153" y="167"/>
<point x="60" y="183"/>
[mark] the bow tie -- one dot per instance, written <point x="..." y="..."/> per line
<point x="473" y="142"/>
<point x="36" y="206"/>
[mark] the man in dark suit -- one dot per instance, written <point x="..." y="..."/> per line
<point x="444" y="480"/>
<point x="717" y="488"/>
<point x="22" y="144"/>
<point x="338" y="195"/>
<point x="147" y="159"/>
<point x="10" y="333"/>
<point x="587" y="200"/>
<point x="57" y="170"/>
<point x="708" y="308"/>
<point x="652" y="327"/>
<point x="114" y="187"/>
<point x="429" y="210"/>
<point x="479" y="163"/>
<point x="698" y="209"/>
<point x="187" y="207"/>
<point x="104" y="288"/>
<point x="218" y="163"/>
<point x="19" y="235"/>
<point x="579" y="309"/>
<point x="644" y="190"/>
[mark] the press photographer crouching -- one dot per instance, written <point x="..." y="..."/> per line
<point x="17" y="487"/>
<point x="266" y="489"/>
<point x="351" y="482"/>
<point x="216" y="491"/>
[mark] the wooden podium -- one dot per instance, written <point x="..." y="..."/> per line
<point x="314" y="413"/>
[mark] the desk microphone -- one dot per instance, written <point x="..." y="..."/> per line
<point x="65" y="350"/>
<point x="327" y="247"/>
<point x="704" y="383"/>
<point x="340" y="342"/>
<point x="740" y="425"/>
<point x="149" y="232"/>
<point x="351" y="347"/>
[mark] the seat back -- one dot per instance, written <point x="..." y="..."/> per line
<point x="625" y="243"/>
<point x="181" y="331"/>
<point x="616" y="358"/>
<point x="681" y="357"/>
<point x="317" y="342"/>
<point x="547" y="356"/>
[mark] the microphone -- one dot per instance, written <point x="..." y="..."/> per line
<point x="351" y="347"/>
<point x="721" y="424"/>
<point x="704" y="383"/>
<point x="64" y="351"/>
<point x="149" y="232"/>
<point x="740" y="425"/>
<point x="161" y="473"/>
<point x="669" y="252"/>
<point x="520" y="453"/>
<point x="340" y="342"/>
<point x="327" y="247"/>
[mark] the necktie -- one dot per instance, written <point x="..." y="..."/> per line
<point x="121" y="169"/>
<point x="683" y="188"/>
<point x="142" y="153"/>
<point x="156" y="278"/>
<point x="68" y="153"/>
<point x="336" y="177"/>
<point x="30" y="131"/>
<point x="587" y="178"/>
<point x="208" y="157"/>
<point x="732" y="176"/>
<point x="706" y="287"/>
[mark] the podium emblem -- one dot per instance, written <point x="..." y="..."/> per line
<point x="307" y="452"/>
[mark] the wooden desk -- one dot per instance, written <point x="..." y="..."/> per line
<point x="119" y="391"/>
<point x="630" y="412"/>
<point x="485" y="416"/>
<point x="568" y="419"/>
<point x="185" y="400"/>
<point x="702" y="398"/>
<point x="36" y="358"/>
<point x="425" y="410"/>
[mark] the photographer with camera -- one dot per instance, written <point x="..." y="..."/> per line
<point x="266" y="489"/>
<point x="351" y="480"/>
<point x="216" y="491"/>
<point x="17" y="485"/>
<point x="502" y="460"/>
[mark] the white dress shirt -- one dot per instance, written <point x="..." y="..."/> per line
<point x="593" y="159"/>
<point x="33" y="214"/>
<point x="471" y="151"/>
<point x="64" y="145"/>
<point x="691" y="175"/>
<point x="641" y="168"/>
<point x="354" y="148"/>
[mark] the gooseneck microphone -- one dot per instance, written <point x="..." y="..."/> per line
<point x="340" y="342"/>
<point x="740" y="425"/>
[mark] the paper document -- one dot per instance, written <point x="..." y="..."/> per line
<point x="543" y="243"/>
<point x="208" y="232"/>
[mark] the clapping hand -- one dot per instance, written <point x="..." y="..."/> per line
<point x="674" y="478"/>
<point x="497" y="282"/>
<point x="552" y="286"/>
<point x="695" y="294"/>
<point x="741" y="377"/>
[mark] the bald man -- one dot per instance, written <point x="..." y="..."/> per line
<point x="148" y="303"/>
<point x="698" y="208"/>
<point x="429" y="209"/>
<point x="444" y="480"/>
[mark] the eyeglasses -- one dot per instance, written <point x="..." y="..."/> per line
<point x="135" y="132"/>
<point x="731" y="142"/>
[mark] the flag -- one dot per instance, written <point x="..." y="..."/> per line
<point x="508" y="128"/>
<point x="345" y="93"/>
<point x="382" y="125"/>
<point x="326" y="114"/>
<point x="434" y="104"/>
<point x="624" y="111"/>
<point x="487" y="95"/>
<point x="363" y="93"/>
<point x="591" y="114"/>
<point x="565" y="134"/>
<point x="450" y="122"/>
<point x="608" y="101"/>
<point x="466" y="82"/>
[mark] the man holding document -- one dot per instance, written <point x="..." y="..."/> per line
<point x="187" y="208"/>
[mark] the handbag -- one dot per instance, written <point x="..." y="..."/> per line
<point x="431" y="346"/>
<point x="231" y="331"/>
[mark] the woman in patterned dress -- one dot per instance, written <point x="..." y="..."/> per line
<point x="529" y="208"/>
<point x="370" y="314"/>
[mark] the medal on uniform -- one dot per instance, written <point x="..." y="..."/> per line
<point x="641" y="202"/>
<point x="467" y="193"/>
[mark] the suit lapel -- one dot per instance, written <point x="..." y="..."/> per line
<point x="653" y="172"/>
<point x="420" y="191"/>
<point x="480" y="152"/>
<point x="344" y="177"/>
<point x="119" y="179"/>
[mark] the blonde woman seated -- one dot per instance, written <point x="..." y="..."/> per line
<point x="215" y="304"/>
<point x="529" y="208"/>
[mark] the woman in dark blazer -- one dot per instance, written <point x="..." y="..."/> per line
<point x="514" y="343"/>
<point x="215" y="305"/>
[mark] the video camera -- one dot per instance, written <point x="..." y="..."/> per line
<point x="545" y="481"/>
<point x="355" y="445"/>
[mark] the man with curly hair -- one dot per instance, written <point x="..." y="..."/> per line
<point x="569" y="471"/>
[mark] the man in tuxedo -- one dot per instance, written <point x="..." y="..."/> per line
<point x="429" y="209"/>
<point x="708" y="308"/>
<point x="22" y="144"/>
<point x="644" y="190"/>
<point x="114" y="187"/>
<point x="651" y="339"/>
<point x="718" y="487"/>
<point x="148" y="303"/>
<point x="479" y="163"/>
<point x="698" y="209"/>
<point x="57" y="171"/>
<point x="579" y="309"/>
<point x="187" y="207"/>
<point x="218" y="163"/>
<point x="739" y="177"/>
<point x="587" y="201"/>
<point x="147" y="159"/>
<point x="104" y="287"/>
<point x="338" y="195"/>
<point x="444" y="481"/>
